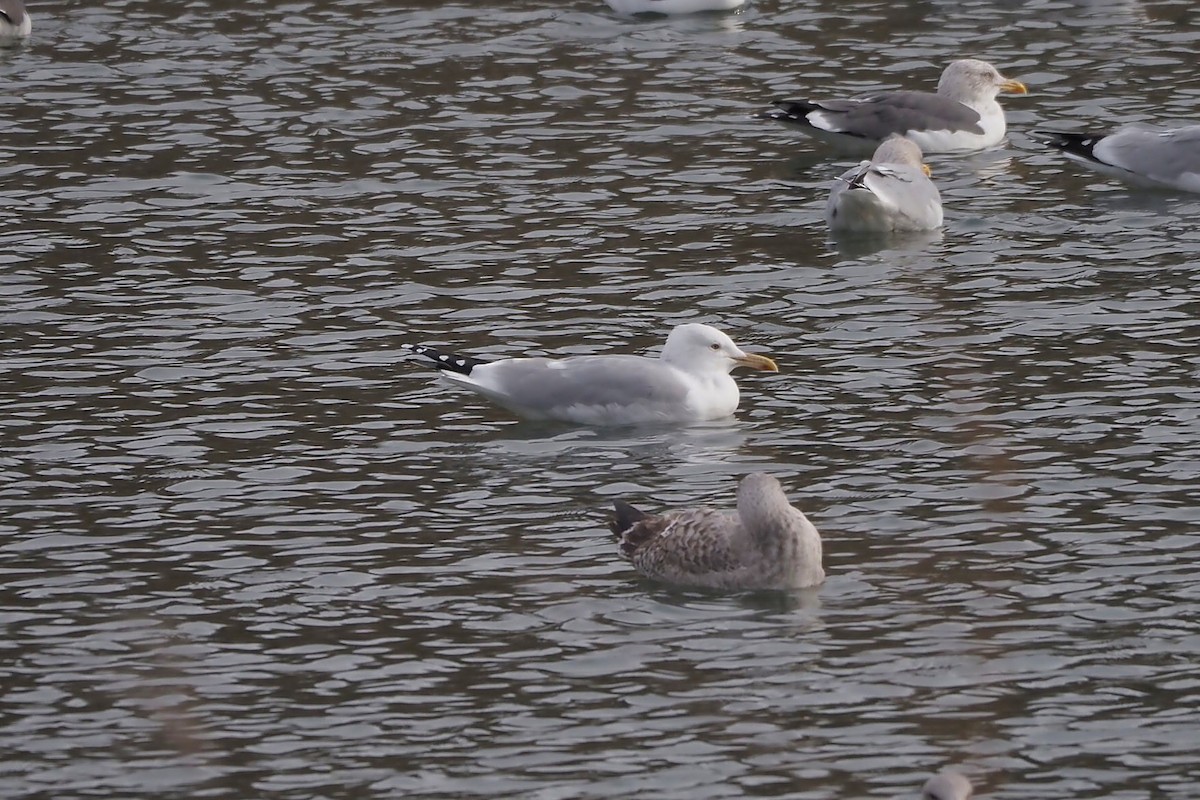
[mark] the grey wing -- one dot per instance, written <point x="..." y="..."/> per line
<point x="587" y="381"/>
<point x="880" y="115"/>
<point x="1163" y="155"/>
<point x="908" y="189"/>
<point x="699" y="548"/>
<point x="903" y="192"/>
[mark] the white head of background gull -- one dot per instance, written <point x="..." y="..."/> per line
<point x="891" y="192"/>
<point x="768" y="544"/>
<point x="1137" y="154"/>
<point x="962" y="116"/>
<point x="631" y="7"/>
<point x="688" y="382"/>
<point x="15" y="22"/>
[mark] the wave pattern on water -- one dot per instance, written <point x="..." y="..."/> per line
<point x="250" y="550"/>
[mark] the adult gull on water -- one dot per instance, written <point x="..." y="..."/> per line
<point x="688" y="382"/>
<point x="768" y="544"/>
<point x="962" y="116"/>
<point x="891" y="192"/>
<point x="1138" y="154"/>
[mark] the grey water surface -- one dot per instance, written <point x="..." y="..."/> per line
<point x="250" y="551"/>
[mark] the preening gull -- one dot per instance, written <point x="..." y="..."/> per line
<point x="1137" y="154"/>
<point x="632" y="7"/>
<point x="767" y="545"/>
<point x="947" y="786"/>
<point x="14" y="20"/>
<point x="962" y="116"/>
<point x="688" y="382"/>
<point x="891" y="192"/>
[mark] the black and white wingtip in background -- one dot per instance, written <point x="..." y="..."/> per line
<point x="1078" y="144"/>
<point x="450" y="362"/>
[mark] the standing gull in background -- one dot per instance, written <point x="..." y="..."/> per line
<point x="947" y="786"/>
<point x="14" y="20"/>
<point x="688" y="382"/>
<point x="767" y="545"/>
<point x="1138" y="154"/>
<point x="891" y="192"/>
<point x="962" y="116"/>
<point x="632" y="7"/>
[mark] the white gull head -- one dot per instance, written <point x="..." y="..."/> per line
<point x="702" y="349"/>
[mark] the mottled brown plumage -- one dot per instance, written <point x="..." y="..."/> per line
<point x="768" y="544"/>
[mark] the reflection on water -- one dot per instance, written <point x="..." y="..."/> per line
<point x="251" y="550"/>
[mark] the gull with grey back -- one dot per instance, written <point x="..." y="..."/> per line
<point x="961" y="117"/>
<point x="688" y="382"/>
<point x="891" y="192"/>
<point x="767" y="544"/>
<point x="1137" y="154"/>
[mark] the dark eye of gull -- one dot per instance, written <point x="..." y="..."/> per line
<point x="714" y="346"/>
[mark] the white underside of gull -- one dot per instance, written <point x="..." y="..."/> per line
<point x="549" y="389"/>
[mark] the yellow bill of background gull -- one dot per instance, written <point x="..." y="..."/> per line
<point x="891" y="192"/>
<point x="768" y="544"/>
<point x="1138" y="154"/>
<point x="688" y="382"/>
<point x="962" y="116"/>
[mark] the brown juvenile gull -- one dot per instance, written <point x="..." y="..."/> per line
<point x="1138" y="154"/>
<point x="962" y="116"/>
<point x="14" y="20"/>
<point x="891" y="192"/>
<point x="769" y="544"/>
<point x="947" y="786"/>
<point x="688" y="382"/>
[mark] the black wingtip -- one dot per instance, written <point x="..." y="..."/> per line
<point x="626" y="517"/>
<point x="788" y="111"/>
<point x="1080" y="144"/>
<point x="449" y="362"/>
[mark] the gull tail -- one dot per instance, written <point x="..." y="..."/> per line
<point x="449" y="362"/>
<point x="1076" y="144"/>
<point x="635" y="528"/>
<point x="625" y="517"/>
